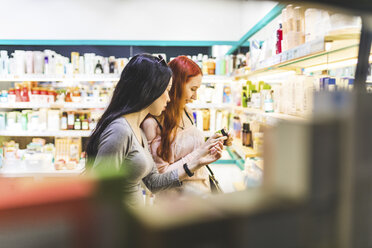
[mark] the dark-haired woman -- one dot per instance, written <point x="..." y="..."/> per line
<point x="118" y="142"/>
<point x="173" y="138"/>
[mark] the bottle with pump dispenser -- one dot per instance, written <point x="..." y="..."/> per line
<point x="98" y="69"/>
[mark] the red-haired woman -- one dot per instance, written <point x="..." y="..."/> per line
<point x="173" y="138"/>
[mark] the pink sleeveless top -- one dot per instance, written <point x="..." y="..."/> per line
<point x="186" y="141"/>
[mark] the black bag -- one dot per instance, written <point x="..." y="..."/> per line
<point x="215" y="187"/>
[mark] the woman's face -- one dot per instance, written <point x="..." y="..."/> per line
<point x="159" y="105"/>
<point x="191" y="88"/>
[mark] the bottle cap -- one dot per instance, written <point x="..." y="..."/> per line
<point x="246" y="126"/>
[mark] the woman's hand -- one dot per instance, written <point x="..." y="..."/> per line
<point x="229" y="140"/>
<point x="211" y="150"/>
<point x="215" y="153"/>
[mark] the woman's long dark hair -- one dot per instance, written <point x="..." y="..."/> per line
<point x="143" y="80"/>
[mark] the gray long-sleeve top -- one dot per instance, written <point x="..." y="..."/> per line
<point x="120" y="149"/>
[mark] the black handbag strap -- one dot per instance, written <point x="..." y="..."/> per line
<point x="214" y="180"/>
<point x="188" y="116"/>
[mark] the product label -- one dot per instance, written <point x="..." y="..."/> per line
<point x="70" y="119"/>
<point x="64" y="123"/>
<point x="85" y="125"/>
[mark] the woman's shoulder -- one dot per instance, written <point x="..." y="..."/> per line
<point x="151" y="127"/>
<point x="151" y="122"/>
<point x="118" y="128"/>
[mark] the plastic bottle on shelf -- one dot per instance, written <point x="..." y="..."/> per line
<point x="265" y="92"/>
<point x="68" y="96"/>
<point x="38" y="62"/>
<point x="75" y="95"/>
<point x="11" y="96"/>
<point x="4" y="62"/>
<point x="75" y="59"/>
<point x="51" y="96"/>
<point x="200" y="60"/>
<point x="218" y="66"/>
<point x="70" y="120"/>
<point x="256" y="99"/>
<point x="269" y="102"/>
<point x="290" y="26"/>
<point x="77" y="124"/>
<point x="279" y="38"/>
<point x="206" y="120"/>
<point x="111" y="64"/>
<point x="246" y="135"/>
<point x="92" y="123"/>
<point x="25" y="94"/>
<point x="205" y="65"/>
<point x="4" y="96"/>
<point x="244" y="96"/>
<point x="34" y="96"/>
<point x="52" y="64"/>
<point x="60" y="69"/>
<point x="46" y="65"/>
<point x="29" y="62"/>
<point x="98" y="68"/>
<point x="237" y="127"/>
<point x="299" y="25"/>
<point x="85" y="123"/>
<point x="43" y="95"/>
<point x="251" y="89"/>
<point x="53" y="120"/>
<point x="106" y="66"/>
<point x="64" y="121"/>
<point x="81" y="65"/>
<point x="19" y="62"/>
<point x="284" y="29"/>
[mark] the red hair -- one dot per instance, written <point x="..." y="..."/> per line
<point x="183" y="69"/>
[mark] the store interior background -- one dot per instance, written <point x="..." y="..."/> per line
<point x="315" y="195"/>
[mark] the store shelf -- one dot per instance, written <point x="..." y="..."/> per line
<point x="336" y="47"/>
<point x="67" y="105"/>
<point x="59" y="133"/>
<point x="59" y="78"/>
<point x="216" y="79"/>
<point x="88" y="78"/>
<point x="208" y="106"/>
<point x="271" y="115"/>
<point x="21" y="170"/>
<point x="243" y="151"/>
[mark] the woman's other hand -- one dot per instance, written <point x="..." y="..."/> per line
<point x="211" y="150"/>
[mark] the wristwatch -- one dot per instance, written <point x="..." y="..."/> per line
<point x="187" y="170"/>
